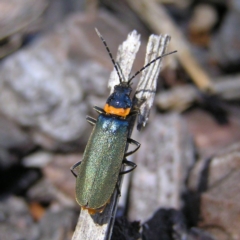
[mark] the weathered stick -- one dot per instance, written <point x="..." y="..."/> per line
<point x="159" y="180"/>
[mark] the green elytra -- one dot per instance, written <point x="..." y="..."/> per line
<point x="102" y="160"/>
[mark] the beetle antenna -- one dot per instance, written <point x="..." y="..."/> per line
<point x="120" y="70"/>
<point x="147" y="65"/>
<point x="110" y="54"/>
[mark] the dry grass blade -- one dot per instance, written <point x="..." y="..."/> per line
<point x="158" y="20"/>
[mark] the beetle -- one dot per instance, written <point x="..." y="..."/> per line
<point x="105" y="151"/>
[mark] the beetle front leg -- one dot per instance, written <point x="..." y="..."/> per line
<point x="131" y="141"/>
<point x="98" y="109"/>
<point x="128" y="163"/>
<point x="73" y="167"/>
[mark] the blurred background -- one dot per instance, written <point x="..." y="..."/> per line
<point x="54" y="69"/>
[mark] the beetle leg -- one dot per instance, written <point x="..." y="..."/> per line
<point x="98" y="109"/>
<point x="133" y="113"/>
<point x="91" y="120"/>
<point x="118" y="189"/>
<point x="128" y="163"/>
<point x="73" y="167"/>
<point x="129" y="140"/>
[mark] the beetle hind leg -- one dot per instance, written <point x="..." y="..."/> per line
<point x="118" y="188"/>
<point x="72" y="168"/>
